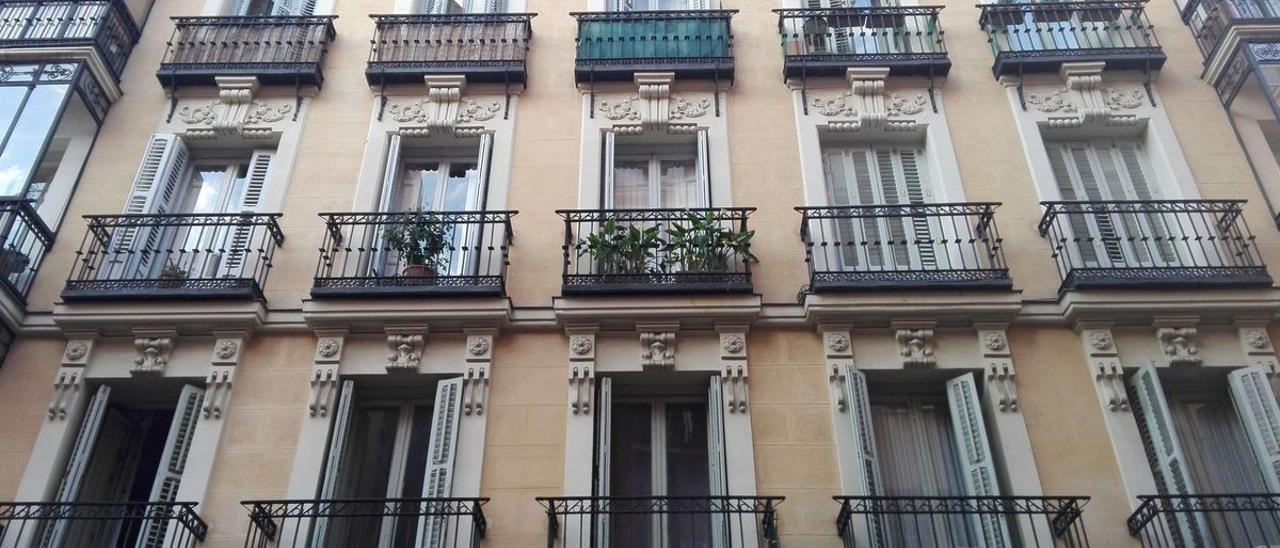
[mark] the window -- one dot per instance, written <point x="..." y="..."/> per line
<point x="865" y="175"/>
<point x="659" y="445"/>
<point x="858" y="35"/>
<point x="384" y="447"/>
<point x="125" y="452"/>
<point x="462" y="6"/>
<point x="641" y="5"/>
<point x="656" y="176"/>
<point x="275" y="7"/>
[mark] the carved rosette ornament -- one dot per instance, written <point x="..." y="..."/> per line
<point x="733" y="344"/>
<point x="837" y="342"/>
<point x="916" y="347"/>
<point x="328" y="347"/>
<point x="1255" y="341"/>
<point x="1179" y="345"/>
<point x="226" y="349"/>
<point x="581" y="345"/>
<point x="77" y="352"/>
<point x="478" y="346"/>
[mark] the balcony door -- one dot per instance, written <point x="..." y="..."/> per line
<point x="656" y="176"/>
<point x="462" y="6"/>
<point x="860" y="34"/>
<point x="655" y="5"/>
<point x="259" y="8"/>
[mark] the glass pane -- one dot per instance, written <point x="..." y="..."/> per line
<point x="10" y="99"/>
<point x="22" y="150"/>
<point x="631" y="184"/>
<point x="687" y="472"/>
<point x="207" y="185"/>
<point x="369" y="455"/>
<point x="680" y="184"/>
<point x="418" y="189"/>
<point x="463" y="188"/>
<point x="415" y="468"/>
<point x="630" y="471"/>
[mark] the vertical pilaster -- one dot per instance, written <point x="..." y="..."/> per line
<point x="580" y="426"/>
<point x="308" y="460"/>
<point x="62" y="421"/>
<point x="471" y="426"/>
<point x="1103" y="360"/>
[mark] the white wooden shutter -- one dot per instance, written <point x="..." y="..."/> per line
<point x="1079" y="179"/>
<point x="390" y="197"/>
<point x="1170" y="466"/>
<point x="172" y="462"/>
<point x="621" y="5"/>
<point x="916" y="191"/>
<point x="604" y="433"/>
<point x="704" y="171"/>
<point x="238" y="246"/>
<point x="441" y="454"/>
<point x="716" y="464"/>
<point x="977" y="465"/>
<point x="610" y="146"/>
<point x="894" y="231"/>
<point x="155" y="191"/>
<point x="78" y="462"/>
<point x="866" y="467"/>
<point x="699" y="4"/>
<point x="335" y="466"/>
<point x="471" y="234"/>
<point x="1255" y="403"/>
<point x="286" y="7"/>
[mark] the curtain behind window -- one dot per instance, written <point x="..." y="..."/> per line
<point x="917" y="457"/>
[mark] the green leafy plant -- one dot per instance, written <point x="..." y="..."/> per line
<point x="419" y="240"/>
<point x="704" y="244"/>
<point x="617" y="248"/>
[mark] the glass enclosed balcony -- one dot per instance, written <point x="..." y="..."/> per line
<point x="104" y="26"/>
<point x="614" y="45"/>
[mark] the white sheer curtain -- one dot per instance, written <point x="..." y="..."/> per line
<point x="917" y="457"/>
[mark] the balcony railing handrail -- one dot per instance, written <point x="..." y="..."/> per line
<point x="852" y="10"/>
<point x="454" y="506"/>
<point x="651" y="14"/>
<point x="1230" y="208"/>
<point x="182" y="512"/>
<point x="1192" y="508"/>
<point x="487" y="216"/>
<point x="254" y="20"/>
<point x="1063" y="6"/>
<point x="27" y="212"/>
<point x="394" y="18"/>
<point x="656" y="214"/>
<point x="893" y="210"/>
<point x="659" y="504"/>
<point x="1061" y="512"/>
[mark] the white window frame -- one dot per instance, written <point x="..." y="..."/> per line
<point x="654" y="173"/>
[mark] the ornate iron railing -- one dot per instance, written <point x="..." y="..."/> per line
<point x="485" y="47"/>
<point x="731" y="522"/>
<point x="614" y="45"/>
<point x="1041" y="36"/>
<point x="104" y="25"/>
<point x="438" y="522"/>
<point x="1211" y="19"/>
<point x="24" y="239"/>
<point x="912" y="522"/>
<point x="278" y="49"/>
<point x="1152" y="243"/>
<point x="94" y="524"/>
<point x="903" y="246"/>
<point x="177" y="256"/>
<point x="610" y="251"/>
<point x="826" y="41"/>
<point x="427" y="253"/>
<point x="1207" y="520"/>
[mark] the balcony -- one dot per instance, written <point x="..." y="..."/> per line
<point x="158" y="524"/>
<point x="827" y="41"/>
<point x="25" y="240"/>
<point x="189" y="256"/>
<point x="367" y="522"/>
<point x="729" y="522"/>
<point x="103" y="26"/>
<point x="1211" y="20"/>
<point x="932" y="246"/>
<point x="1207" y="520"/>
<point x="1169" y="243"/>
<point x="961" y="521"/>
<point x="1039" y="37"/>
<point x="414" y="254"/>
<point x="281" y="50"/>
<point x="614" y="45"/>
<point x="483" y="47"/>
<point x="639" y="251"/>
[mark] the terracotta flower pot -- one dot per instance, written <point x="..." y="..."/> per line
<point x="420" y="271"/>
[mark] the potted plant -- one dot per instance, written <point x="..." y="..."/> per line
<point x="171" y="271"/>
<point x="617" y="248"/>
<point x="703" y="244"/>
<point x="420" y="242"/>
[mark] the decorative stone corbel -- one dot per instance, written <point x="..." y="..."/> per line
<point x="999" y="365"/>
<point x="733" y="366"/>
<point x="444" y="96"/>
<point x="1256" y="343"/>
<point x="1177" y="338"/>
<point x="479" y="358"/>
<point x="837" y="348"/>
<point x="582" y="368"/>
<point x="658" y="345"/>
<point x="915" y="343"/>
<point x="1084" y="101"/>
<point x="237" y="111"/>
<point x="154" y="346"/>
<point x="324" y="372"/>
<point x="1104" y="361"/>
<point x="227" y="348"/>
<point x="405" y="345"/>
<point x="655" y="95"/>
<point x="868" y="106"/>
<point x="66" y="383"/>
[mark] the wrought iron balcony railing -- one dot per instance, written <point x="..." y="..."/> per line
<point x="427" y="253"/>
<point x="918" y="522"/>
<point x="826" y="41"/>
<point x="1167" y="243"/>
<point x="1041" y="36"/>
<point x="614" y="45"/>
<point x="619" y="251"/>
<point x="1207" y="520"/>
<point x="177" y="256"/>
<point x="904" y="247"/>
<point x="24" y="239"/>
<point x="730" y="522"/>
<point x="104" y="25"/>
<point x="278" y="49"/>
<point x="96" y="524"/>
<point x="484" y="47"/>
<point x="1211" y="19"/>
<point x="452" y="522"/>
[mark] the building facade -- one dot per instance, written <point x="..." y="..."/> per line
<point x="712" y="273"/>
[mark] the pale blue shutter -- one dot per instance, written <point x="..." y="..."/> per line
<point x="716" y="464"/>
<point x="78" y="462"/>
<point x="172" y="462"/>
<point x="866" y="467"/>
<point x="1170" y="466"/>
<point x="155" y="191"/>
<point x="441" y="454"/>
<point x="977" y="465"/>
<point x="1255" y="403"/>
<point x="240" y="245"/>
<point x="604" y="432"/>
<point x="335" y="466"/>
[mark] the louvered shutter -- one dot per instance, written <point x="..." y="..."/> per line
<point x="977" y="464"/>
<point x="432" y="6"/>
<point x="1170" y="467"/>
<point x="926" y="232"/>
<point x="698" y="4"/>
<point x="716" y="464"/>
<point x="238" y="247"/>
<point x="621" y="5"/>
<point x="606" y="166"/>
<point x="1094" y="235"/>
<point x="866" y="467"/>
<point x="78" y="462"/>
<point x="172" y="462"/>
<point x="155" y="191"/>
<point x="391" y="200"/>
<point x="335" y="465"/>
<point x="495" y="6"/>
<point x="869" y="241"/>
<point x="1131" y="237"/>
<point x="893" y="229"/>
<point x="842" y="254"/>
<point x="1255" y="404"/>
<point x="1130" y="157"/>
<point x="604" y="437"/>
<point x="441" y="454"/>
<point x="704" y="171"/>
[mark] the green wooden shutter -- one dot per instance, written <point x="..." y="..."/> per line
<point x="977" y="464"/>
<point x="893" y="229"/>
<point x="866" y="471"/>
<point x="1255" y="404"/>
<point x="442" y="453"/>
<point x="335" y="465"/>
<point x="1170" y="463"/>
<point x="172" y="462"/>
<point x="604" y="433"/>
